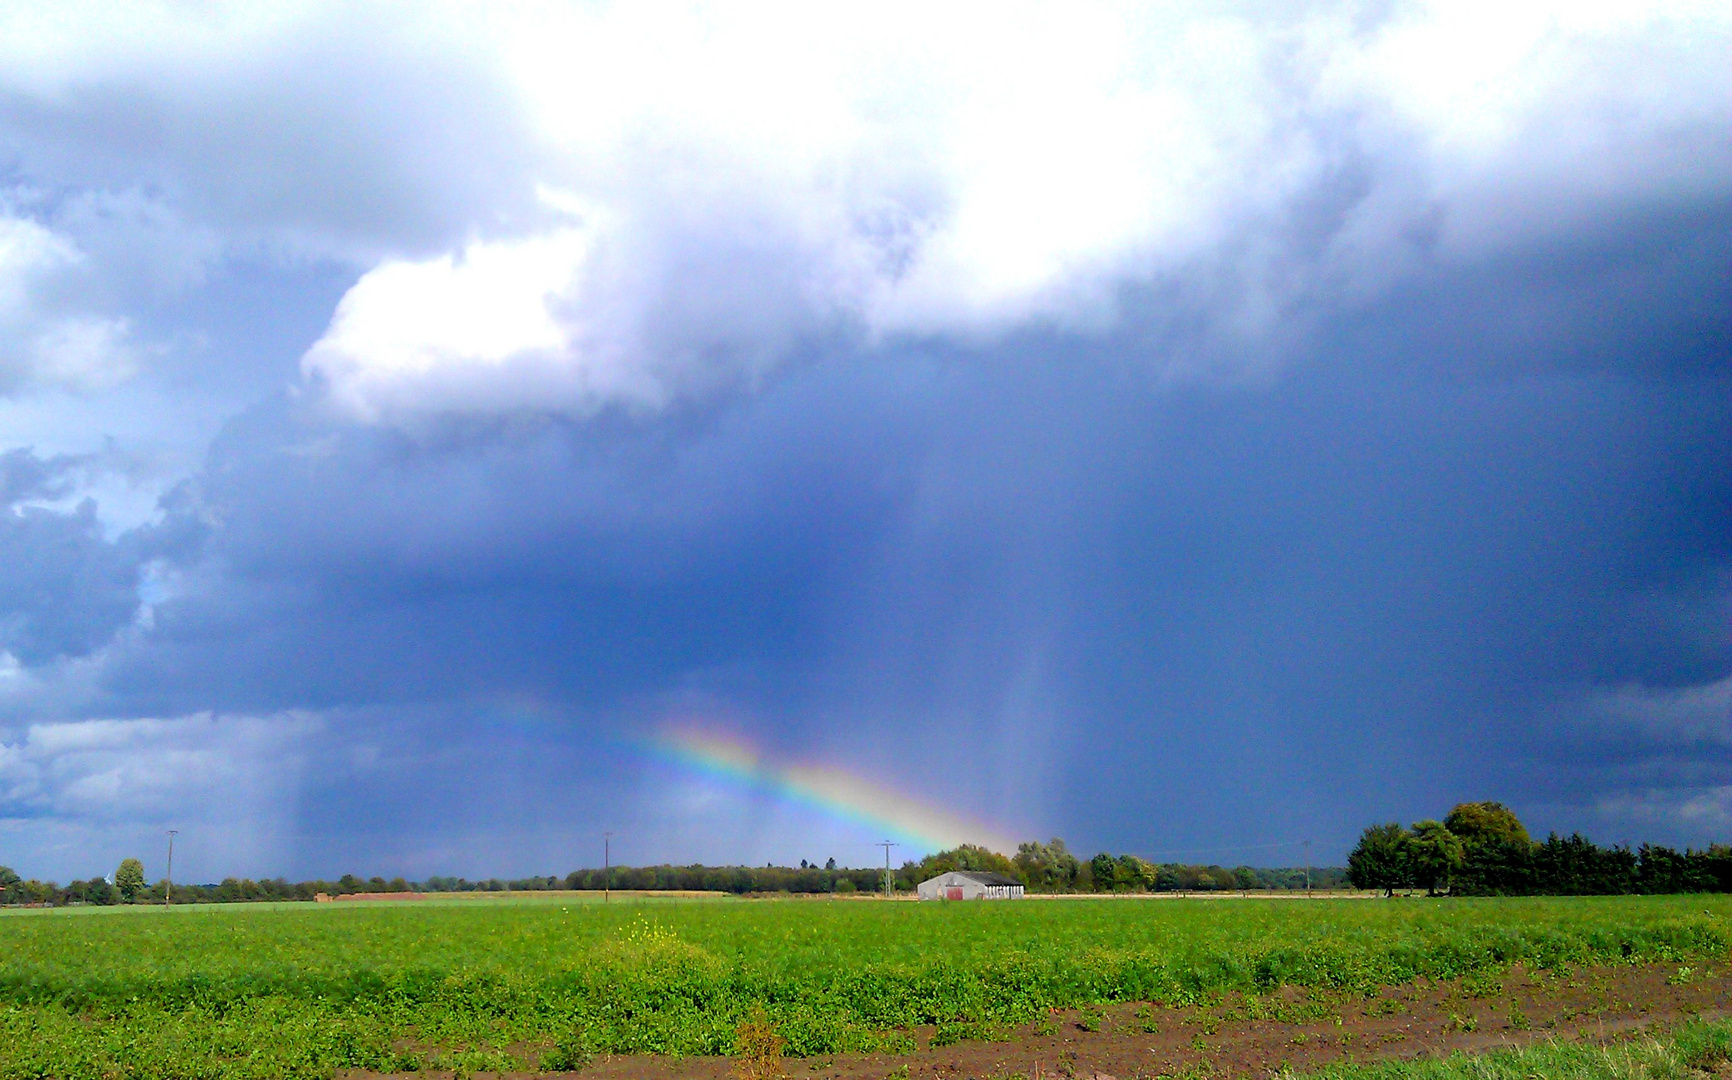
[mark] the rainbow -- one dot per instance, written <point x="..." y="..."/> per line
<point x="882" y="810"/>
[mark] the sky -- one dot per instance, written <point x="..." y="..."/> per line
<point x="433" y="436"/>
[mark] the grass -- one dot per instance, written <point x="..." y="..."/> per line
<point x="1692" y="1052"/>
<point x="305" y="990"/>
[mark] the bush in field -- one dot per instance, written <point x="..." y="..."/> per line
<point x="758" y="1048"/>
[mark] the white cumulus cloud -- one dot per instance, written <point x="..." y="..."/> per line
<point x="752" y="178"/>
<point x="563" y="207"/>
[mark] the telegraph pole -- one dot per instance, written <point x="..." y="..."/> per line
<point x="607" y="867"/>
<point x="889" y="882"/>
<point x="1307" y="869"/>
<point x="168" y="892"/>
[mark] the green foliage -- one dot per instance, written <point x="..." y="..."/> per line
<point x="1104" y="871"/>
<point x="1048" y="867"/>
<point x="1433" y="854"/>
<point x="1497" y="853"/>
<point x="1485" y="823"/>
<point x="129" y="880"/>
<point x="965" y="857"/>
<point x="1693" y="1052"/>
<point x="1483" y="849"/>
<point x="1380" y="861"/>
<point x="503" y="985"/>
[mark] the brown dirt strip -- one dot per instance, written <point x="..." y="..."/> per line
<point x="1259" y="1036"/>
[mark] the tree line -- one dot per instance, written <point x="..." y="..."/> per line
<point x="1051" y="868"/>
<point x="1483" y="849"/>
<point x="1042" y="867"/>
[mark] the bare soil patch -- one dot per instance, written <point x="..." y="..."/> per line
<point x="1258" y="1036"/>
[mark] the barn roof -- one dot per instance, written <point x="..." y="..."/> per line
<point x="979" y="877"/>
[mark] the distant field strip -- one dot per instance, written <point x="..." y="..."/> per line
<point x="303" y="990"/>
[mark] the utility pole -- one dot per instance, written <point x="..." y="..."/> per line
<point x="168" y="892"/>
<point x="889" y="881"/>
<point x="1307" y="869"/>
<point x="607" y="867"/>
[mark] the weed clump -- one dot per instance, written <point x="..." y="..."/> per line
<point x="758" y="1048"/>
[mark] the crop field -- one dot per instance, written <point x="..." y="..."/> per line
<point x="309" y="990"/>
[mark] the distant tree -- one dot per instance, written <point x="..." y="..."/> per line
<point x="1245" y="878"/>
<point x="1485" y="822"/>
<point x="830" y="863"/>
<point x="1662" y="869"/>
<point x="1433" y="854"/>
<point x="1132" y="874"/>
<point x="1575" y="866"/>
<point x="1380" y="860"/>
<point x="1104" y="872"/>
<point x="1497" y="853"/>
<point x="129" y="879"/>
<point x="962" y="857"/>
<point x="1717" y="864"/>
<point x="1048" y="867"/>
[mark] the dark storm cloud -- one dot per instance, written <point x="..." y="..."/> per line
<point x="25" y="475"/>
<point x="1174" y="615"/>
<point x="64" y="588"/>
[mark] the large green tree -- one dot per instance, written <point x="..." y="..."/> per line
<point x="1133" y="873"/>
<point x="129" y="879"/>
<point x="1477" y="823"/>
<point x="1380" y="859"/>
<point x="1048" y="867"/>
<point x="1104" y="872"/>
<point x="1497" y="853"/>
<point x="1433" y="854"/>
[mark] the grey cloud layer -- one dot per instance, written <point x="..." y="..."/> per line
<point x="1422" y="556"/>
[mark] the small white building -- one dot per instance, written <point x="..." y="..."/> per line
<point x="970" y="885"/>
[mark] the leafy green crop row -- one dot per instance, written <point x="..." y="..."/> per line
<point x="304" y="991"/>
<point x="1695" y="1051"/>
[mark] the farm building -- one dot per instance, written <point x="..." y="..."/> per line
<point x="970" y="885"/>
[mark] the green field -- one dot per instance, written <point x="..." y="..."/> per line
<point x="1695" y="1051"/>
<point x="303" y="990"/>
